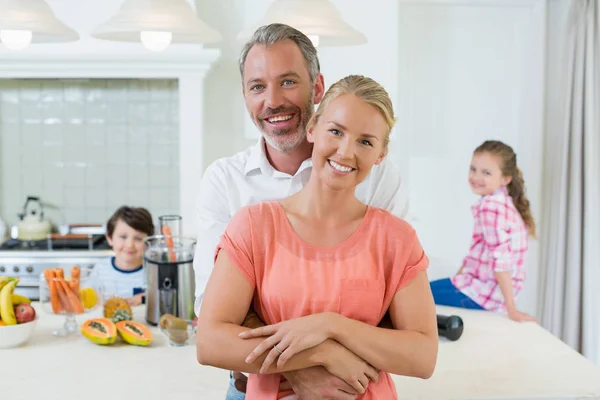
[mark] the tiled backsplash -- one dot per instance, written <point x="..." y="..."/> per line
<point x="88" y="146"/>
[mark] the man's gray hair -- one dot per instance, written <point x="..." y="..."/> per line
<point x="268" y="35"/>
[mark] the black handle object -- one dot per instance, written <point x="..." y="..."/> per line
<point x="451" y="327"/>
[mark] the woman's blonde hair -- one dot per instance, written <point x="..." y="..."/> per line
<point x="368" y="91"/>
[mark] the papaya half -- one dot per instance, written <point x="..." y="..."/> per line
<point x="134" y="333"/>
<point x="99" y="330"/>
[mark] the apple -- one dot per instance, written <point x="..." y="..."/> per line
<point x="24" y="313"/>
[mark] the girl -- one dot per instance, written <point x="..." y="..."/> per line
<point x="323" y="268"/>
<point x="492" y="273"/>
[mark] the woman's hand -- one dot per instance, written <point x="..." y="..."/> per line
<point x="350" y="368"/>
<point x="290" y="337"/>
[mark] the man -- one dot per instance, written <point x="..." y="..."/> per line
<point x="281" y="83"/>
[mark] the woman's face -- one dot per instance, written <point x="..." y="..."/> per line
<point x="348" y="139"/>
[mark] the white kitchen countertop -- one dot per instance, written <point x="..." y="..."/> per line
<point x="494" y="359"/>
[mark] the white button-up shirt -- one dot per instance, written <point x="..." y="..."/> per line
<point x="248" y="178"/>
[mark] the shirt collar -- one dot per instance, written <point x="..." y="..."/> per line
<point x="257" y="153"/>
<point x="257" y="160"/>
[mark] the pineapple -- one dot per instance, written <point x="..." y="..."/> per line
<point x="117" y="309"/>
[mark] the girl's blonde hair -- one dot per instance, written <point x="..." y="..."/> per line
<point x="516" y="187"/>
<point x="368" y="91"/>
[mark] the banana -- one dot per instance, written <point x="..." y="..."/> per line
<point x="7" y="311"/>
<point x="3" y="281"/>
<point x="20" y="299"/>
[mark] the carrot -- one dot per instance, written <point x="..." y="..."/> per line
<point x="73" y="299"/>
<point x="75" y="276"/>
<point x="62" y="295"/>
<point x="59" y="273"/>
<point x="54" y="299"/>
<point x="166" y="231"/>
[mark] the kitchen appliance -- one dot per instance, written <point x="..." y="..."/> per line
<point x="169" y="273"/>
<point x="27" y="259"/>
<point x="33" y="226"/>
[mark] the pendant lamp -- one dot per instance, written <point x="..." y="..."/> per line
<point x="157" y="24"/>
<point x="317" y="19"/>
<point x="31" y="21"/>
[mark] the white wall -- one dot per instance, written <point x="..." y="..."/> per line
<point x="459" y="72"/>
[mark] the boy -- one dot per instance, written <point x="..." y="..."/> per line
<point x="122" y="275"/>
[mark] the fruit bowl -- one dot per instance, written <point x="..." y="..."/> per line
<point x="80" y="292"/>
<point x="16" y="335"/>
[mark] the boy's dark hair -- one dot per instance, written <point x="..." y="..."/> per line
<point x="138" y="218"/>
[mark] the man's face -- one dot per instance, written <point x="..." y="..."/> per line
<point x="278" y="93"/>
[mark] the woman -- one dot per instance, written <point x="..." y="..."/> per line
<point x="322" y="268"/>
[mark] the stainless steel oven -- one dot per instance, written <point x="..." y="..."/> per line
<point x="27" y="260"/>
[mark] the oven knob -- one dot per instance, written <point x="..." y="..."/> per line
<point x="30" y="269"/>
<point x="2" y="269"/>
<point x="16" y="269"/>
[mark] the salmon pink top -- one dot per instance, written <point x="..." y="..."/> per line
<point x="357" y="278"/>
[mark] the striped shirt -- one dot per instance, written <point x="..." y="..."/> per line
<point x="118" y="282"/>
<point x="499" y="243"/>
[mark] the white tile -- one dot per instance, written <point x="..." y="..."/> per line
<point x="95" y="92"/>
<point x="95" y="135"/>
<point x="32" y="181"/>
<point x="74" y="113"/>
<point x="95" y="156"/>
<point x="74" y="177"/>
<point x="116" y="155"/>
<point x="138" y="113"/>
<point x="95" y="197"/>
<point x="95" y="113"/>
<point x="138" y="135"/>
<point x="138" y="176"/>
<point x="11" y="157"/>
<point x="159" y="154"/>
<point x="30" y="112"/>
<point x="54" y="176"/>
<point x="116" y="90"/>
<point x="52" y="136"/>
<point x="30" y="89"/>
<point x="138" y="197"/>
<point x="158" y="113"/>
<point x="31" y="135"/>
<point x="160" y="176"/>
<point x="74" y="215"/>
<point x="137" y="89"/>
<point x="32" y="158"/>
<point x="116" y="135"/>
<point x="117" y="178"/>
<point x="95" y="177"/>
<point x="117" y="113"/>
<point x="96" y="215"/>
<point x="74" y="197"/>
<point x="137" y="155"/>
<point x="10" y="112"/>
<point x="54" y="194"/>
<point x="9" y="91"/>
<point x="53" y="156"/>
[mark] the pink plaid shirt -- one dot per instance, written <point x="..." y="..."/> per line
<point x="500" y="241"/>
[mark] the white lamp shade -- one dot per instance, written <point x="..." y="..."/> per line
<point x="35" y="16"/>
<point x="175" y="16"/>
<point x="313" y="18"/>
